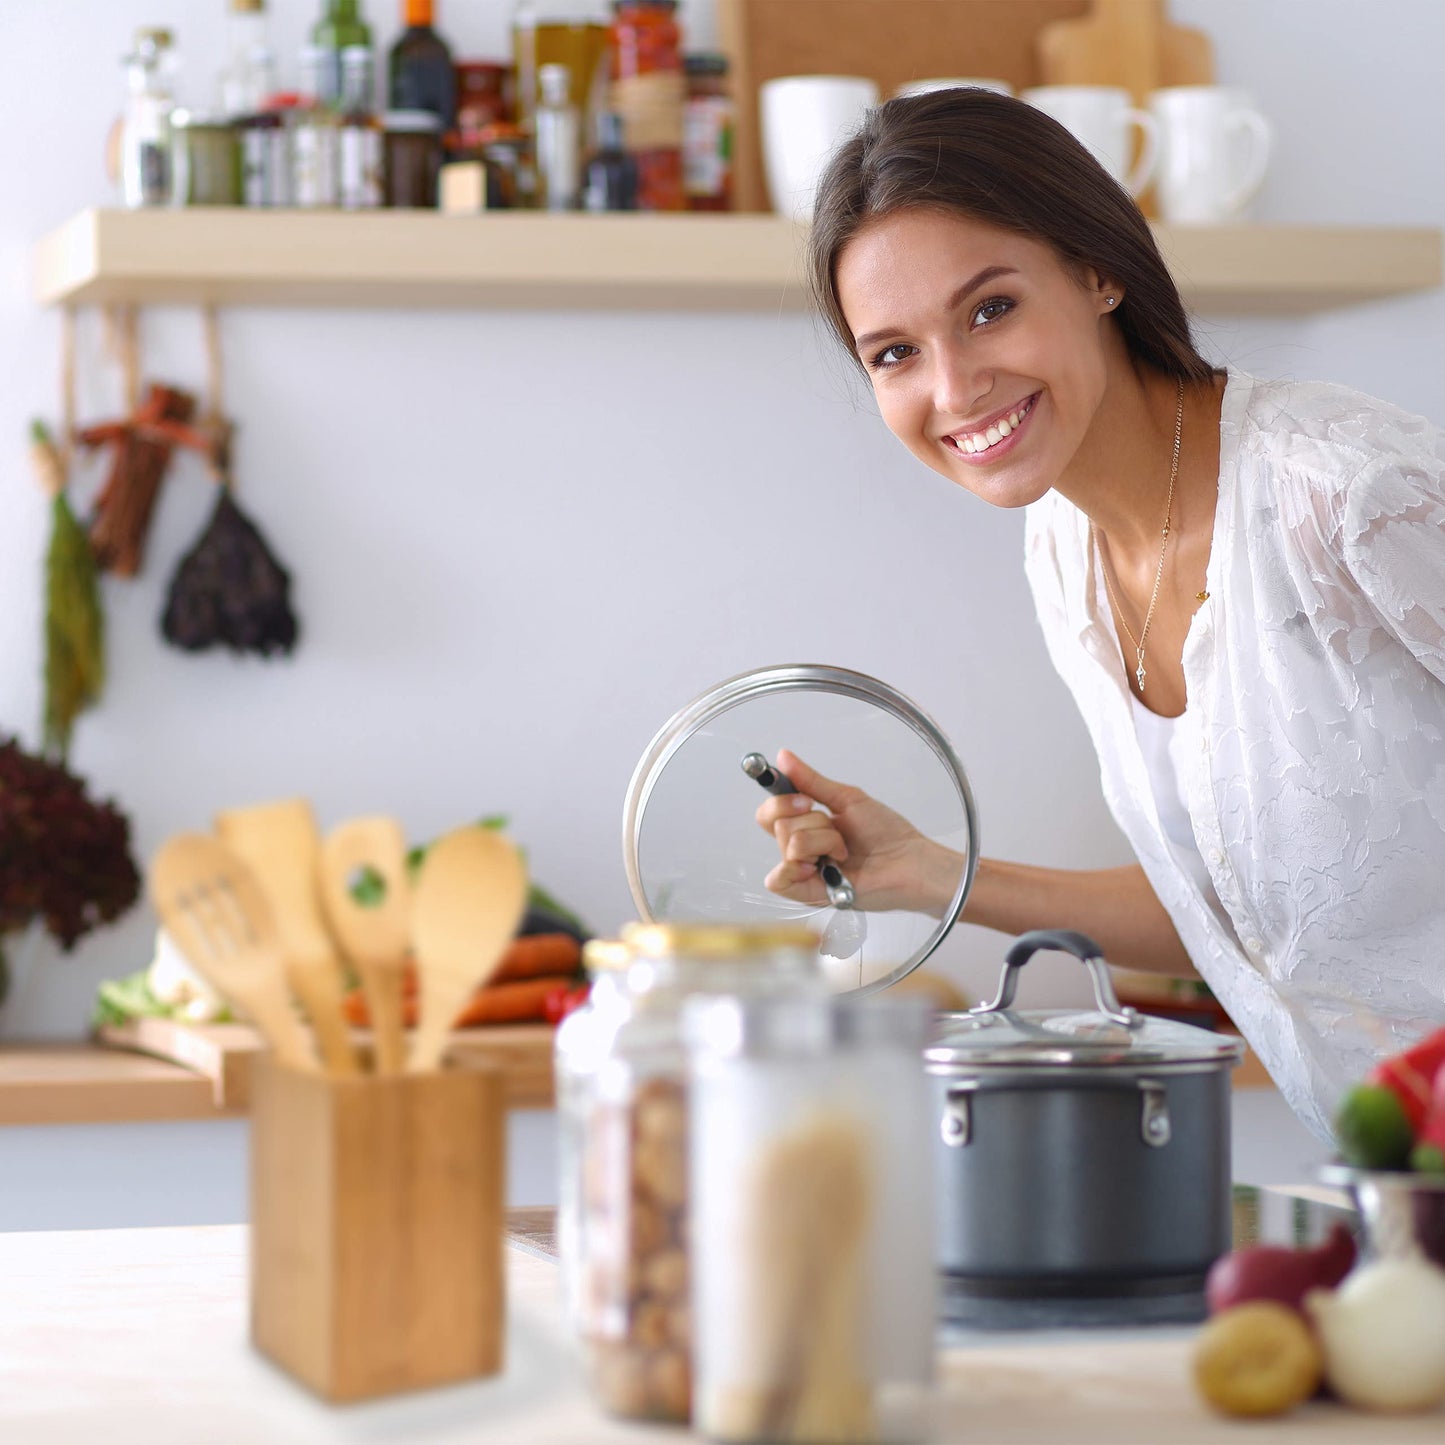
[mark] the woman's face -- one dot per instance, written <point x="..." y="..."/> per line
<point x="963" y="327"/>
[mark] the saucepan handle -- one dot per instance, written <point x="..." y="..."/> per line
<point x="1062" y="940"/>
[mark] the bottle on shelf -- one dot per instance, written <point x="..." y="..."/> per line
<point x="145" y="129"/>
<point x="707" y="134"/>
<point x="359" y="149"/>
<point x="341" y="27"/>
<point x="248" y="78"/>
<point x="649" y="92"/>
<point x="314" y="132"/>
<point x="420" y="74"/>
<point x="573" y="33"/>
<point x="609" y="182"/>
<point x="559" y="141"/>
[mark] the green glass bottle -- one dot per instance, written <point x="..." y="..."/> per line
<point x="340" y="28"/>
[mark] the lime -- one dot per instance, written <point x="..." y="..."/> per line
<point x="1373" y="1130"/>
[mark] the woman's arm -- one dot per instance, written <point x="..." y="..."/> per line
<point x="1116" y="907"/>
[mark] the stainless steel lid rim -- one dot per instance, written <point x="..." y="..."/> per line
<point x="810" y="677"/>
<point x="1000" y="1074"/>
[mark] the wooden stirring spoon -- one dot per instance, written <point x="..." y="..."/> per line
<point x="218" y="915"/>
<point x="467" y="903"/>
<point x="372" y="921"/>
<point x="280" y="843"/>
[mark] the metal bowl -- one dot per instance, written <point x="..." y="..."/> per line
<point x="1402" y="1212"/>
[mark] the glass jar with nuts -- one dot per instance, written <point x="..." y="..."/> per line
<point x="623" y="1222"/>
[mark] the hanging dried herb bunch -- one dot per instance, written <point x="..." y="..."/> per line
<point x="64" y="858"/>
<point x="229" y="590"/>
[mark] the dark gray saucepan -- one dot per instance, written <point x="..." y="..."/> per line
<point x="1081" y="1155"/>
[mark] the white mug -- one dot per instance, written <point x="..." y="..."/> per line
<point x="1100" y="116"/>
<point x="927" y="87"/>
<point x="805" y="119"/>
<point x="1214" y="149"/>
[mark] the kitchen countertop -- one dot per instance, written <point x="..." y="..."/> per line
<point x="140" y="1336"/>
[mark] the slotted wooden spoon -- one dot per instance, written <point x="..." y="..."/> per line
<point x="467" y="903"/>
<point x="281" y="844"/>
<point x="218" y="915"/>
<point x="374" y="929"/>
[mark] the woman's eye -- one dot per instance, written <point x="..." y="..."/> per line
<point x="990" y="311"/>
<point x="892" y="355"/>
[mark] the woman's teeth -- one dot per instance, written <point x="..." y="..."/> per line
<point x="981" y="441"/>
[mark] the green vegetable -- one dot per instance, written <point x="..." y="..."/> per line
<point x="1427" y="1159"/>
<point x="121" y="999"/>
<point x="367" y="886"/>
<point x="1373" y="1130"/>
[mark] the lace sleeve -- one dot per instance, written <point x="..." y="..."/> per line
<point x="1394" y="546"/>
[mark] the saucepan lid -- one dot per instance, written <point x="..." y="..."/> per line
<point x="693" y="848"/>
<point x="997" y="1036"/>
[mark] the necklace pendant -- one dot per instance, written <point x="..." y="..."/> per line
<point x="1140" y="675"/>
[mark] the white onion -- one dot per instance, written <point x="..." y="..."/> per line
<point x="1383" y="1333"/>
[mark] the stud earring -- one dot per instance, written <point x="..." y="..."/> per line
<point x="1110" y="300"/>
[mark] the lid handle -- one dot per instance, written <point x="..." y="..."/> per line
<point x="1062" y="940"/>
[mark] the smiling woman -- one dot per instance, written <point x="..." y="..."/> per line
<point x="1242" y="582"/>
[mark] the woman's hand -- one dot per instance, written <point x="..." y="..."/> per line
<point x="887" y="860"/>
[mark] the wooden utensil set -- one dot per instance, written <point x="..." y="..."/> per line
<point x="265" y="910"/>
<point x="376" y="1194"/>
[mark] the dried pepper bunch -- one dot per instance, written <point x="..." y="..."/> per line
<point x="64" y="857"/>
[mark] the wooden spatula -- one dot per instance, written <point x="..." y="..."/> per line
<point x="374" y="929"/>
<point x="467" y="903"/>
<point x="214" y="909"/>
<point x="281" y="845"/>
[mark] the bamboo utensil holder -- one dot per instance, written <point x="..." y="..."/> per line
<point x="376" y="1227"/>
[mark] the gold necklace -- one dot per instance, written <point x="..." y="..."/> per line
<point x="1143" y="636"/>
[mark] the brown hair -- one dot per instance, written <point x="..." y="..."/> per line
<point x="974" y="153"/>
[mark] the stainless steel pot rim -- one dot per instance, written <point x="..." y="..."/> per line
<point x="1070" y="1073"/>
<point x="1066" y="1038"/>
<point x="1403" y="1181"/>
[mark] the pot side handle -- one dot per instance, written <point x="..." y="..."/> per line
<point x="1061" y="940"/>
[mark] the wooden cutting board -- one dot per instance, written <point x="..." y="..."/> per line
<point x="1128" y="43"/>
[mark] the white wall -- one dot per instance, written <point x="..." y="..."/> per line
<point x="520" y="540"/>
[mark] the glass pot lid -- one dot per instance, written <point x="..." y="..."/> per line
<point x="997" y="1036"/>
<point x="694" y="850"/>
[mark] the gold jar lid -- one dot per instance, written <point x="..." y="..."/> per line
<point x="715" y="940"/>
<point x="605" y="955"/>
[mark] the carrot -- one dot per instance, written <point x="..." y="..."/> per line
<point x="539" y="955"/>
<point x="518" y="1001"/>
<point x="507" y="1003"/>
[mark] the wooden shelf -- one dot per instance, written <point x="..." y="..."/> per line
<point x="627" y="262"/>
<point x="158" y="1070"/>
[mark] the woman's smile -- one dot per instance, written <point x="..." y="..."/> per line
<point x="983" y="445"/>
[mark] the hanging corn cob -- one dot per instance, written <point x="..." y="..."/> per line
<point x="74" y="629"/>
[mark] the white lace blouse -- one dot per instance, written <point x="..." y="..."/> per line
<point x="1311" y="754"/>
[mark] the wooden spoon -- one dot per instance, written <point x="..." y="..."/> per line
<point x="468" y="901"/>
<point x="218" y="915"/>
<point x="375" y="935"/>
<point x="280" y="843"/>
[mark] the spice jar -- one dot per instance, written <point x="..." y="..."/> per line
<point x="205" y="161"/>
<point x="812" y="1238"/>
<point x="412" y="148"/>
<point x="623" y="1222"/>
<point x="649" y="92"/>
<point x="707" y="135"/>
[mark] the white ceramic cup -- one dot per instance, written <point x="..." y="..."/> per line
<point x="927" y="87"/>
<point x="1214" y="149"/>
<point x="1101" y="117"/>
<point x="805" y="119"/>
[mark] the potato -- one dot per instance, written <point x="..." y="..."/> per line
<point x="1257" y="1359"/>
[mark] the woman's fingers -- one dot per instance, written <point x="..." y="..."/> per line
<point x="773" y="809"/>
<point x="796" y="880"/>
<point x="833" y="795"/>
<point x="811" y="836"/>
